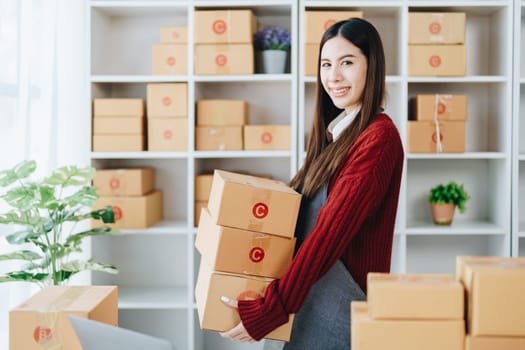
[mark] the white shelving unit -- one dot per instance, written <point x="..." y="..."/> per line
<point x="158" y="266"/>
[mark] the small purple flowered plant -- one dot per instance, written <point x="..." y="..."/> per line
<point x="272" y="38"/>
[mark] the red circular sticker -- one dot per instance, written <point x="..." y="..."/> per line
<point x="256" y="254"/>
<point x="171" y="61"/>
<point x="221" y="60"/>
<point x="168" y="135"/>
<point x="248" y="295"/>
<point x="266" y="137"/>
<point x="442" y="108"/>
<point x="175" y="35"/>
<point x="219" y="26"/>
<point x="260" y="210"/>
<point x="42" y="335"/>
<point x="434" y="61"/>
<point x="117" y="213"/>
<point x="166" y="101"/>
<point x="114" y="183"/>
<point x="434" y="28"/>
<point x="434" y="138"/>
<point x="328" y="23"/>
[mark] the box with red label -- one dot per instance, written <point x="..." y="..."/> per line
<point x="494" y="343"/>
<point x="214" y="315"/>
<point x="367" y="333"/>
<point x="118" y="142"/>
<point x="422" y="136"/>
<point x="167" y="134"/>
<point x="414" y="296"/>
<point x="169" y="59"/>
<point x="118" y="125"/>
<point x="218" y="138"/>
<point x="174" y="35"/>
<point x="311" y="57"/>
<point x="42" y="321"/>
<point x="234" y="250"/>
<point x="224" y="59"/>
<point x="436" y="27"/>
<point x="124" y="182"/>
<point x="167" y="100"/>
<point x="440" y="107"/>
<point x="437" y="60"/>
<point x="221" y="112"/>
<point x="224" y="26"/>
<point x="266" y="137"/>
<point x="132" y="211"/>
<point x="253" y="203"/>
<point x="317" y="22"/>
<point x="118" y="107"/>
<point x="495" y="297"/>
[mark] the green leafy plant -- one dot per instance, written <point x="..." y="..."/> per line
<point x="44" y="215"/>
<point x="449" y="193"/>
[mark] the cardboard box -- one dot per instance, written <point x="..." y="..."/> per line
<point x="422" y="136"/>
<point x="267" y="137"/>
<point x="414" y="296"/>
<point x="494" y="290"/>
<point x="169" y="59"/>
<point x="203" y="187"/>
<point x="224" y="26"/>
<point x="118" y="107"/>
<point x="234" y="250"/>
<point x="214" y="315"/>
<point x="444" y="107"/>
<point x="42" y="322"/>
<point x="317" y="22"/>
<point x="132" y="211"/>
<point x="494" y="343"/>
<point x="118" y="125"/>
<point x="369" y="334"/>
<point x="124" y="182"/>
<point x="174" y="35"/>
<point x="221" y="112"/>
<point x="436" y="27"/>
<point x="167" y="134"/>
<point x="224" y="59"/>
<point x="311" y="58"/>
<point x="118" y="143"/>
<point x="198" y="206"/>
<point x="218" y="138"/>
<point x="253" y="203"/>
<point x="167" y="100"/>
<point x="437" y="60"/>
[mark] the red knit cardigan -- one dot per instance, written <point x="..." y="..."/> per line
<point x="356" y="225"/>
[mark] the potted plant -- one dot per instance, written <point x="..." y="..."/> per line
<point x="44" y="214"/>
<point x="444" y="199"/>
<point x="273" y="42"/>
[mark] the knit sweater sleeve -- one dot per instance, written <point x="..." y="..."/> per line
<point x="354" y="195"/>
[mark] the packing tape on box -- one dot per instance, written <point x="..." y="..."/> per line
<point x="439" y="146"/>
<point x="253" y="289"/>
<point x="258" y="252"/>
<point x="260" y="209"/>
<point x="45" y="333"/>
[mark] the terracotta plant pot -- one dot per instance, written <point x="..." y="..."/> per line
<point x="442" y="214"/>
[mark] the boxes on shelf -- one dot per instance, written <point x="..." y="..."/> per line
<point x="240" y="251"/>
<point x="267" y="137"/>
<point x="440" y="106"/>
<point x="214" y="314"/>
<point x="224" y="59"/>
<point x="167" y="100"/>
<point x="203" y="184"/>
<point x="132" y="211"/>
<point x="174" y="35"/>
<point x="317" y="22"/>
<point x="118" y="143"/>
<point x="198" y="206"/>
<point x="118" y="107"/>
<point x="169" y="59"/>
<point x="218" y="138"/>
<point x="224" y="26"/>
<point x="493" y="343"/>
<point x="437" y="60"/>
<point x="422" y="136"/>
<point x="118" y="125"/>
<point x="221" y="112"/>
<point x="167" y="134"/>
<point x="436" y="27"/>
<point x="42" y="321"/>
<point x="124" y="182"/>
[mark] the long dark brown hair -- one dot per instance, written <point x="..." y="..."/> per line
<point x="322" y="157"/>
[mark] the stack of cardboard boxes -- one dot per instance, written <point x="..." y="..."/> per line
<point x="224" y="42"/>
<point x="316" y="23"/>
<point x="445" y="115"/>
<point x="246" y="239"/>
<point x="436" y="44"/>
<point x="170" y="56"/>
<point x="167" y="109"/>
<point x="118" y="125"/>
<point x="132" y="195"/>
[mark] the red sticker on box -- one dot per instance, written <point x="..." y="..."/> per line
<point x="442" y="108"/>
<point x="114" y="183"/>
<point x="117" y="213"/>
<point x="328" y="23"/>
<point x="171" y="61"/>
<point x="219" y="26"/>
<point x="168" y="135"/>
<point x="256" y="254"/>
<point x="221" y="60"/>
<point x="166" y="101"/>
<point x="434" y="28"/>
<point x="434" y="138"/>
<point x="42" y="335"/>
<point x="260" y="210"/>
<point x="266" y="137"/>
<point x="434" y="61"/>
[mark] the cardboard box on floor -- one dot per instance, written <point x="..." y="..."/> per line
<point x="42" y="321"/>
<point x="214" y="315"/>
<point x="253" y="203"/>
<point x="124" y="182"/>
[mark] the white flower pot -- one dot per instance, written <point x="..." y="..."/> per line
<point x="274" y="61"/>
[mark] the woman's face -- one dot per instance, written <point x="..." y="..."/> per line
<point x="343" y="72"/>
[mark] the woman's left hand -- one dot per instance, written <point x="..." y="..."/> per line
<point x="238" y="332"/>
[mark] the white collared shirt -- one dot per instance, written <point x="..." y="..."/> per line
<point x="339" y="124"/>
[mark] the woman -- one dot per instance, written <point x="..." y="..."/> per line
<point x="350" y="185"/>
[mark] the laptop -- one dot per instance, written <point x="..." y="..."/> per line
<point x="95" y="335"/>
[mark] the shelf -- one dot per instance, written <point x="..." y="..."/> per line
<point x="139" y="155"/>
<point x="139" y="78"/>
<point x="162" y="228"/>
<point x="152" y="298"/>
<point x="468" y="155"/>
<point x="242" y="154"/>
<point x="457" y="228"/>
